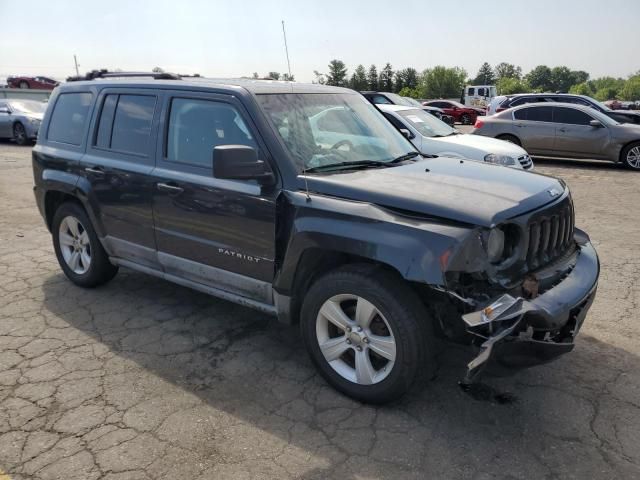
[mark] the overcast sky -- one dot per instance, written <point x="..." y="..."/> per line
<point x="236" y="37"/>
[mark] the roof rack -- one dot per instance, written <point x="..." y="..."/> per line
<point x="104" y="73"/>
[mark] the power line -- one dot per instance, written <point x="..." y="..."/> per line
<point x="286" y="49"/>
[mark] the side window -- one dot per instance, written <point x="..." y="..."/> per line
<point x="472" y="91"/>
<point x="69" y="118"/>
<point x="381" y="100"/>
<point x="539" y="114"/>
<point x="521" y="114"/>
<point x="197" y="126"/>
<point x="520" y="101"/>
<point x="125" y="123"/>
<point x="394" y="121"/>
<point x="570" y="116"/>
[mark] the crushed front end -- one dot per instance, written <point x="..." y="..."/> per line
<point x="524" y="296"/>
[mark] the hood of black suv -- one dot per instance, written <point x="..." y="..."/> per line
<point x="463" y="191"/>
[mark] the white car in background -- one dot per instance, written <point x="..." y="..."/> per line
<point x="434" y="137"/>
<point x="494" y="103"/>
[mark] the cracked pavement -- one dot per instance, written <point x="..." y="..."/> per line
<point x="142" y="379"/>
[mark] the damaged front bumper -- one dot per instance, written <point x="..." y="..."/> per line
<point x="519" y="333"/>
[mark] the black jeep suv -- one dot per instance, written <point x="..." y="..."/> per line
<point x="302" y="201"/>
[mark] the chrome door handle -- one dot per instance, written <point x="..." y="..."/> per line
<point x="169" y="188"/>
<point x="94" y="170"/>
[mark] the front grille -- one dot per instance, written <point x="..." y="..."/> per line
<point x="550" y="234"/>
<point x="525" y="161"/>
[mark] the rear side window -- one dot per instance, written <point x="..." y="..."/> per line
<point x="472" y="91"/>
<point x="69" y="118"/>
<point x="534" y="114"/>
<point x="381" y="100"/>
<point x="570" y="116"/>
<point x="125" y="123"/>
<point x="197" y="126"/>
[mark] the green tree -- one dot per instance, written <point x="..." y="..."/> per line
<point x="410" y="77"/>
<point x="255" y="75"/>
<point x="507" y="70"/>
<point x="540" y="78"/>
<point x="359" y="78"/>
<point x="561" y="79"/>
<point x="288" y="78"/>
<point x="509" y="86"/>
<point x="583" y="88"/>
<point x="606" y="88"/>
<point x="442" y="82"/>
<point x="398" y="81"/>
<point x="485" y="75"/>
<point x="631" y="89"/>
<point x="410" y="92"/>
<point x="579" y="76"/>
<point x="273" y="75"/>
<point x="321" y="78"/>
<point x="372" y="78"/>
<point x="337" y="75"/>
<point x="386" y="78"/>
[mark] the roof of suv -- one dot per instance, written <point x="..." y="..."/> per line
<point x="253" y="86"/>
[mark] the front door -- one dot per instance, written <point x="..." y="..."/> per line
<point x="575" y="136"/>
<point x="5" y="121"/>
<point x="220" y="233"/>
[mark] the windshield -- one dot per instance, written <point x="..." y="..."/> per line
<point x="412" y="102"/>
<point x="331" y="129"/>
<point x="398" y="100"/>
<point x="28" y="106"/>
<point x="426" y="124"/>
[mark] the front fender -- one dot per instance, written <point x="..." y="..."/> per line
<point x="416" y="247"/>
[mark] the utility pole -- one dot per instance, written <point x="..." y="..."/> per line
<point x="286" y="49"/>
<point x="75" y="60"/>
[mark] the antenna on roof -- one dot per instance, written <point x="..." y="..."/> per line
<point x="286" y="49"/>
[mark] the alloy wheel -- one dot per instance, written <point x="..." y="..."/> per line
<point x="355" y="339"/>
<point x="19" y="134"/>
<point x="633" y="157"/>
<point x="75" y="245"/>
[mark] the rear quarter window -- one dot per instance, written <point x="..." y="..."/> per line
<point x="69" y="118"/>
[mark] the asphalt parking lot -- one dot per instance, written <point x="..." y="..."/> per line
<point x="143" y="379"/>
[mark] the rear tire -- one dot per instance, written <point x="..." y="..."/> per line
<point x="78" y="249"/>
<point x="465" y="119"/>
<point x="510" y="138"/>
<point x="385" y="344"/>
<point x="630" y="156"/>
<point x="20" y="134"/>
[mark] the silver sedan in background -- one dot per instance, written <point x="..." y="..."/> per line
<point x="565" y="130"/>
<point x="20" y="119"/>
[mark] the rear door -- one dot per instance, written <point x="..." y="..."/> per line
<point x="215" y="232"/>
<point x="118" y="162"/>
<point x="535" y="128"/>
<point x="575" y="136"/>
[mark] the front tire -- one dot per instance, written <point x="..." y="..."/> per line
<point x="78" y="249"/>
<point x="23" y="84"/>
<point x="20" y="134"/>
<point x="510" y="139"/>
<point x="630" y="156"/>
<point x="367" y="333"/>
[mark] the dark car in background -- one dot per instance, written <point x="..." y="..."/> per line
<point x="335" y="223"/>
<point x="37" y="83"/>
<point x="388" y="98"/>
<point x="460" y="113"/>
<point x="565" y="130"/>
<point x="520" y="99"/>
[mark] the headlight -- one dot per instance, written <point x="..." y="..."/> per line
<point x="495" y="245"/>
<point x="499" y="159"/>
<point x="34" y="121"/>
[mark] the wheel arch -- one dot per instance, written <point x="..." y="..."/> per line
<point x="624" y="147"/>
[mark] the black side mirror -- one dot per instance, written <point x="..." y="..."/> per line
<point x="240" y="162"/>
<point x="596" y="123"/>
<point x="407" y="133"/>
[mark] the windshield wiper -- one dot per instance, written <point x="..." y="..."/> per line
<point x="406" y="156"/>
<point x="347" y="165"/>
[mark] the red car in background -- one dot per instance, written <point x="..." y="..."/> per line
<point x="460" y="113"/>
<point x="39" y="83"/>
